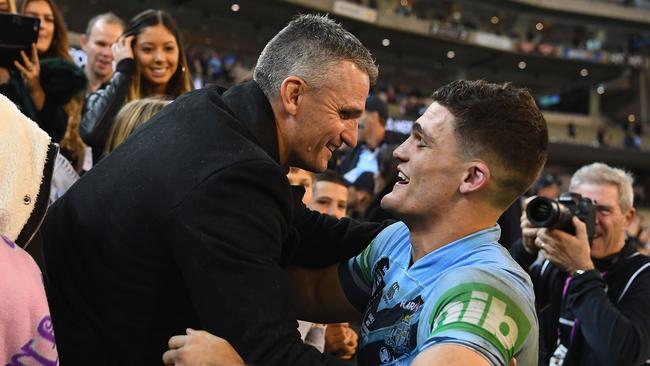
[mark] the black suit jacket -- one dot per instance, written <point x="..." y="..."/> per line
<point x="190" y="223"/>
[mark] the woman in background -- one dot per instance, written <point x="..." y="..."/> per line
<point x="151" y="63"/>
<point x="46" y="86"/>
<point x="7" y="6"/>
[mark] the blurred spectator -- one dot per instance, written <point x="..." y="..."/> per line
<point x="151" y="61"/>
<point x="7" y="6"/>
<point x="571" y="131"/>
<point x="304" y="178"/>
<point x="215" y="67"/>
<point x="643" y="240"/>
<point x="385" y="179"/>
<point x="361" y="193"/>
<point x="240" y="73"/>
<point x="196" y="66"/>
<point x="132" y="116"/>
<point x="26" y="155"/>
<point x="631" y="140"/>
<point x="51" y="89"/>
<point x="404" y="8"/>
<point x="330" y="197"/>
<point x="44" y="85"/>
<point x="102" y="32"/>
<point x="330" y="194"/>
<point x="372" y="134"/>
<point x="591" y="297"/>
<point x="602" y="137"/>
<point x="412" y="105"/>
<point x="548" y="185"/>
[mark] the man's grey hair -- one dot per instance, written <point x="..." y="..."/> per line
<point x="599" y="173"/>
<point x="309" y="47"/>
<point x="109" y="18"/>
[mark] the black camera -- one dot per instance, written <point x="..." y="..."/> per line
<point x="17" y="33"/>
<point x="544" y="212"/>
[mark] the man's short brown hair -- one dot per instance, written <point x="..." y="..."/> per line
<point x="502" y="125"/>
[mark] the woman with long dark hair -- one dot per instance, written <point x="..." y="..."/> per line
<point x="151" y="62"/>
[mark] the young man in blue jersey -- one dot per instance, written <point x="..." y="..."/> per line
<point x="437" y="288"/>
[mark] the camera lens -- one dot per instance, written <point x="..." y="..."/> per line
<point x="541" y="212"/>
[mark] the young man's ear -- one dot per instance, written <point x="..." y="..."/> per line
<point x="476" y="177"/>
<point x="292" y="91"/>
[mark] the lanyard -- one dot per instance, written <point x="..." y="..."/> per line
<point x="576" y="321"/>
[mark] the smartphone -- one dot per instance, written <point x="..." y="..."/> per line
<point x="17" y="33"/>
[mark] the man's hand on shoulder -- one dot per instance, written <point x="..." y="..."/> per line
<point x="566" y="251"/>
<point x="200" y="348"/>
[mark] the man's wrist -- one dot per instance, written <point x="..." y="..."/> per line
<point x="580" y="271"/>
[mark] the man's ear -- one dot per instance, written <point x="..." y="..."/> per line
<point x="628" y="217"/>
<point x="476" y="177"/>
<point x="292" y="91"/>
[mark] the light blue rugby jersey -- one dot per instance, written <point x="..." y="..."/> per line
<point x="469" y="292"/>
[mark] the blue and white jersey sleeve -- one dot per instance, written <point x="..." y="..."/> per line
<point x="476" y="308"/>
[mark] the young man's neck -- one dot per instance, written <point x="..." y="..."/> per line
<point x="429" y="236"/>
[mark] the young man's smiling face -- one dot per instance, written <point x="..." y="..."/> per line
<point x="430" y="167"/>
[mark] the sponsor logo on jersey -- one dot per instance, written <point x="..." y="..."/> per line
<point x="485" y="311"/>
<point x="412" y="305"/>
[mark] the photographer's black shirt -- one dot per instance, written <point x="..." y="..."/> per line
<point x="597" y="318"/>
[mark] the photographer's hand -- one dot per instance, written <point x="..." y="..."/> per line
<point x="564" y="250"/>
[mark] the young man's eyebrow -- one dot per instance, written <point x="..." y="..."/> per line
<point x="417" y="128"/>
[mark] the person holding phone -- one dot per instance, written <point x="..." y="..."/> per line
<point x="45" y="85"/>
<point x="6" y="6"/>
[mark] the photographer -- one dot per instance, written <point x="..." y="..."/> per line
<point x="591" y="301"/>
